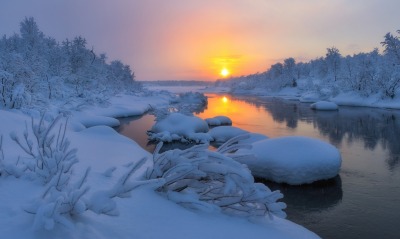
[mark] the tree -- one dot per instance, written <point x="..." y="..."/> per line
<point x="392" y="47"/>
<point x="289" y="65"/>
<point x="391" y="74"/>
<point x="30" y="34"/>
<point x="333" y="58"/>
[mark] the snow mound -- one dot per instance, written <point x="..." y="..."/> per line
<point x="324" y="105"/>
<point x="294" y="160"/>
<point x="221" y="134"/>
<point x="219" y="120"/>
<point x="252" y="138"/>
<point x="177" y="126"/>
<point x="309" y="97"/>
<point x="89" y="120"/>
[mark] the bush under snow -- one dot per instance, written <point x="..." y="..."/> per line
<point x="197" y="178"/>
<point x="180" y="127"/>
<point x="50" y="162"/>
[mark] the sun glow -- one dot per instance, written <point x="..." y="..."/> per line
<point x="224" y="72"/>
<point x="224" y="99"/>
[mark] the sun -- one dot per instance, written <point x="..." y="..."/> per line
<point x="224" y="72"/>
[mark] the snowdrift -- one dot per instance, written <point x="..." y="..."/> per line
<point x="294" y="160"/>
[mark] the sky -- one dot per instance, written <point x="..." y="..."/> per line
<point x="196" y="39"/>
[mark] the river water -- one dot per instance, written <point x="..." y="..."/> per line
<point x="363" y="201"/>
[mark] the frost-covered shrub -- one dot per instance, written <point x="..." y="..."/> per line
<point x="184" y="103"/>
<point x="12" y="94"/>
<point x="193" y="97"/>
<point x="187" y="103"/>
<point x="59" y="204"/>
<point x="48" y="150"/>
<point x="197" y="178"/>
<point x="63" y="205"/>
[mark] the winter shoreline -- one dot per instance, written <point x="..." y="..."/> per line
<point x="107" y="154"/>
<point x="343" y="99"/>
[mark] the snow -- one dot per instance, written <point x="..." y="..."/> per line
<point x="174" y="88"/>
<point x="252" y="138"/>
<point x="129" y="105"/>
<point x="324" y="105"/>
<point x="85" y="180"/>
<point x="177" y="126"/>
<point x="143" y="214"/>
<point x="195" y="98"/>
<point x="221" y="134"/>
<point x="219" y="120"/>
<point x="309" y="97"/>
<point x="90" y="120"/>
<point x="294" y="160"/>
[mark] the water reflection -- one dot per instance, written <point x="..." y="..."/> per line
<point x="303" y="199"/>
<point x="371" y="127"/>
<point x="363" y="201"/>
<point x="136" y="128"/>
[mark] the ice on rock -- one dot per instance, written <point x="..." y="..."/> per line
<point x="309" y="97"/>
<point x="252" y="138"/>
<point x="177" y="126"/>
<point x="221" y="134"/>
<point x="219" y="120"/>
<point x="294" y="160"/>
<point x="324" y="105"/>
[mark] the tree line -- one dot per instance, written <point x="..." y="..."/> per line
<point x="36" y="69"/>
<point x="366" y="74"/>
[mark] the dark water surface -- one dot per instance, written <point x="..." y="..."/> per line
<point x="363" y="201"/>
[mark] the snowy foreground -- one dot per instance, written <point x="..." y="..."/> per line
<point x="116" y="211"/>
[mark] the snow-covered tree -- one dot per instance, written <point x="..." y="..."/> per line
<point x="392" y="47"/>
<point x="43" y="70"/>
<point x="289" y="66"/>
<point x="364" y="74"/>
<point x="391" y="74"/>
<point x="333" y="59"/>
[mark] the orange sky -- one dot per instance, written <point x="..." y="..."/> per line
<point x="195" y="39"/>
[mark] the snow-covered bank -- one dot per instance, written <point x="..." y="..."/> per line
<point x="324" y="105"/>
<point x="143" y="213"/>
<point x="120" y="106"/>
<point x="290" y="93"/>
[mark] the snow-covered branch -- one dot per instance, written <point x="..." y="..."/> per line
<point x="197" y="178"/>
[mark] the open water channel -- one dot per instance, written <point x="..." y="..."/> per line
<point x="363" y="201"/>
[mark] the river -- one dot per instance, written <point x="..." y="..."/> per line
<point x="363" y="201"/>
